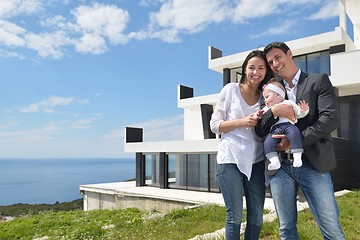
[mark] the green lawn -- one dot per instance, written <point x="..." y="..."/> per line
<point x="177" y="224"/>
<point x="349" y="207"/>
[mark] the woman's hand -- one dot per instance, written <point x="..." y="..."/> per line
<point x="246" y="122"/>
<point x="251" y="120"/>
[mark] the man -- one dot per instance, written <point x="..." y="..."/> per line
<point x="313" y="177"/>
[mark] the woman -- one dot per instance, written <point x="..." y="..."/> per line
<point x="240" y="158"/>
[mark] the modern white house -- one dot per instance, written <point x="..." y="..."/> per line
<point x="190" y="164"/>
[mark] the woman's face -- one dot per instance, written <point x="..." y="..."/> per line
<point x="255" y="70"/>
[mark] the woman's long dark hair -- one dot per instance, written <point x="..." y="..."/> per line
<point x="260" y="54"/>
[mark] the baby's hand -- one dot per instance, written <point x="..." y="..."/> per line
<point x="304" y="106"/>
<point x="259" y="113"/>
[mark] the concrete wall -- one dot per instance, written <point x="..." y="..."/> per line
<point x="95" y="201"/>
<point x="341" y="77"/>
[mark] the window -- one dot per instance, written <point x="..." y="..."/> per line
<point x="318" y="62"/>
<point x="192" y="171"/>
<point x="235" y="75"/>
<point x="301" y="62"/>
<point x="198" y="172"/>
<point x="349" y="117"/>
<point x="152" y="169"/>
<point x="214" y="187"/>
<point x="177" y="171"/>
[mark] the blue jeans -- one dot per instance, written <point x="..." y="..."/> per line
<point x="233" y="184"/>
<point x="319" y="193"/>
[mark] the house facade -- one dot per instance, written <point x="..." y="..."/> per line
<point x="190" y="164"/>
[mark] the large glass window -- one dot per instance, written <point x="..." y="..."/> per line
<point x="192" y="171"/>
<point x="301" y="62"/>
<point x="152" y="169"/>
<point x="177" y="171"/>
<point x="214" y="187"/>
<point x="318" y="62"/>
<point x="198" y="172"/>
<point x="235" y="74"/>
<point x="349" y="117"/>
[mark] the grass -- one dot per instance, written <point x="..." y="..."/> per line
<point x="115" y="224"/>
<point x="308" y="229"/>
<point x="177" y="224"/>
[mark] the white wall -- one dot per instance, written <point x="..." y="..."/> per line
<point x="343" y="66"/>
<point x="193" y="129"/>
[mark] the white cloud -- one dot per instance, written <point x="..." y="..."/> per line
<point x="148" y="3"/>
<point x="57" y="21"/>
<point x="49" y="131"/>
<point x="103" y="20"/>
<point x="91" y="29"/>
<point x="48" y="44"/>
<point x="165" y="129"/>
<point x="284" y="28"/>
<point x="249" y="9"/>
<point x="329" y="10"/>
<point x="9" y="34"/>
<point x="27" y="135"/>
<point x="91" y="43"/>
<point x="192" y="17"/>
<point x="159" y="129"/>
<point x="48" y="105"/>
<point x="178" y="16"/>
<point x="161" y="122"/>
<point x="86" y="122"/>
<point x="11" y="54"/>
<point x="115" y="134"/>
<point x="9" y="8"/>
<point x="94" y="25"/>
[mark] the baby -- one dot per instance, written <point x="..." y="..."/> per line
<point x="274" y="93"/>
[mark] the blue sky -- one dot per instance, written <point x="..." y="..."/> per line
<point x="74" y="73"/>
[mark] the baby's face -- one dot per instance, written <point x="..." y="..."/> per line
<point x="271" y="97"/>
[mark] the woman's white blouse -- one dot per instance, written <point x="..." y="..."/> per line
<point x="241" y="145"/>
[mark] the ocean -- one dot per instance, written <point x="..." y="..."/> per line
<point x="34" y="181"/>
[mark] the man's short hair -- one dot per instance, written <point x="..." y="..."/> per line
<point x="280" y="45"/>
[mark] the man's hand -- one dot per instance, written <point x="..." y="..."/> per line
<point x="283" y="110"/>
<point x="284" y="144"/>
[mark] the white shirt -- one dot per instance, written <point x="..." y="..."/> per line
<point x="291" y="92"/>
<point x="240" y="146"/>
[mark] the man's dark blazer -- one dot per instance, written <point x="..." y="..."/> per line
<point x="317" y="125"/>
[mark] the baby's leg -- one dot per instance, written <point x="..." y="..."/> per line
<point x="270" y="152"/>
<point x="274" y="163"/>
<point x="294" y="136"/>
